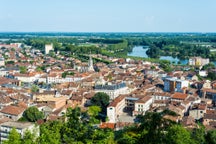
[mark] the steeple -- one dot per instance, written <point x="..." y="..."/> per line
<point x="90" y="63"/>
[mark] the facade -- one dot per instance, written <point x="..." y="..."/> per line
<point x="113" y="90"/>
<point x="48" y="48"/>
<point x="21" y="128"/>
<point x="174" y="84"/>
<point x="143" y="105"/>
<point x="198" y="61"/>
<point x="170" y="84"/>
<point x="115" y="109"/>
<point x="90" y="64"/>
<point x="2" y="61"/>
<point x="181" y="84"/>
<point x="12" y="112"/>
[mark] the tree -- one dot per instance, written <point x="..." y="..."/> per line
<point x="13" y="138"/>
<point x="93" y="112"/>
<point x="32" y="114"/>
<point x="23" y="69"/>
<point x="176" y="134"/>
<point x="28" y="138"/>
<point x="100" y="99"/>
<point x="211" y="137"/>
<point x="198" y="135"/>
<point x="50" y="133"/>
<point x="34" y="88"/>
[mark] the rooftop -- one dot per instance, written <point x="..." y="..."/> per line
<point x="20" y="125"/>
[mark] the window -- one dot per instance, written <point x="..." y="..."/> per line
<point x="111" y="108"/>
<point x="201" y="111"/>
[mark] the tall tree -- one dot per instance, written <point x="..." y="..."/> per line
<point x="32" y="114"/>
<point x="13" y="138"/>
<point x="176" y="134"/>
<point x="100" y="99"/>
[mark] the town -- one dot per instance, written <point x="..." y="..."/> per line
<point x="52" y="82"/>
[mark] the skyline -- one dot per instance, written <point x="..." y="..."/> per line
<point x="108" y="16"/>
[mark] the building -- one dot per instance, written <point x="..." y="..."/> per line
<point x="12" y="112"/>
<point x="143" y="105"/>
<point x="181" y="84"/>
<point x="170" y="84"/>
<point x="113" y="90"/>
<point x="208" y="93"/>
<point x="90" y="64"/>
<point x="2" y="61"/>
<point x="48" y="48"/>
<point x="179" y="97"/>
<point x="21" y="128"/>
<point x="198" y="61"/>
<point x="115" y="109"/>
<point x="173" y="84"/>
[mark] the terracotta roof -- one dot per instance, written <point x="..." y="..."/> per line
<point x="116" y="101"/>
<point x="144" y="100"/>
<point x="107" y="125"/>
<point x="12" y="110"/>
<point x="179" y="96"/>
<point x="209" y="116"/>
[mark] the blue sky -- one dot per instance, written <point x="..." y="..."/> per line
<point x="108" y="15"/>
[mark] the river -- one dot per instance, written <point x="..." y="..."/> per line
<point x="140" y="51"/>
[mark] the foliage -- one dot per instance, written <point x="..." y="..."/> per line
<point x="176" y="134"/>
<point x="34" y="88"/>
<point x="13" y="138"/>
<point x="93" y="112"/>
<point x="23" y="69"/>
<point x="28" y="138"/>
<point x="211" y="137"/>
<point x="211" y="75"/>
<point x="102" y="100"/>
<point x="32" y="114"/>
<point x="50" y="133"/>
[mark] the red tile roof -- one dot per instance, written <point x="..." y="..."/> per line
<point x="12" y="110"/>
<point x="179" y="96"/>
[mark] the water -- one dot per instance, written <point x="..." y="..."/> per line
<point x="140" y="51"/>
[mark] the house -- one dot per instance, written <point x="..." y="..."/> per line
<point x="197" y="111"/>
<point x="21" y="128"/>
<point x="143" y="105"/>
<point x="113" y="90"/>
<point x="179" y="97"/>
<point x="115" y="108"/>
<point x="12" y="112"/>
<point x="173" y="84"/>
<point x="208" y="93"/>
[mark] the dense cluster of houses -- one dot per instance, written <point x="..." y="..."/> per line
<point x="134" y="87"/>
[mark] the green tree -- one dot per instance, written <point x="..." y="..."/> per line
<point x="176" y="134"/>
<point x="34" y="88"/>
<point x="198" y="135"/>
<point x="211" y="137"/>
<point x="100" y="99"/>
<point x="32" y="114"/>
<point x="93" y="112"/>
<point x="13" y="138"/>
<point x="23" y="69"/>
<point x="29" y="138"/>
<point x="50" y="133"/>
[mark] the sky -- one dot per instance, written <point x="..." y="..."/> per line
<point x="108" y="16"/>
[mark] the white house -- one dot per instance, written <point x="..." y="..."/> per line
<point x="143" y="105"/>
<point x="21" y="128"/>
<point x="115" y="108"/>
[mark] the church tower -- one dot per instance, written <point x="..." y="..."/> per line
<point x="90" y="64"/>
